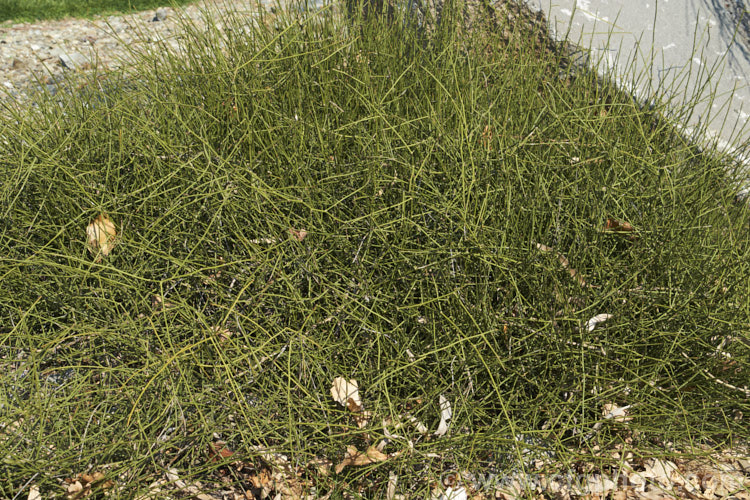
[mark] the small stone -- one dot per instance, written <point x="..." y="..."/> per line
<point x="161" y="14"/>
<point x="74" y="60"/>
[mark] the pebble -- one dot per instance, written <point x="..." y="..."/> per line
<point x="74" y="61"/>
<point x="160" y="15"/>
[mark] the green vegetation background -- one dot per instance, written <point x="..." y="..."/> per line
<point x="39" y="10"/>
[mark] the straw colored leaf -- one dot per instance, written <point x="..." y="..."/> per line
<point x="392" y="483"/>
<point x="445" y="415"/>
<point x="346" y="393"/>
<point x="223" y="333"/>
<point x="102" y="236"/>
<point x="618" y="413"/>
<point x="595" y="320"/>
<point x="565" y="263"/>
<point x="34" y="493"/>
<point x="362" y="418"/>
<point x="451" y="493"/>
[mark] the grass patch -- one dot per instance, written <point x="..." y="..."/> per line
<point x="18" y="11"/>
<point x="466" y="211"/>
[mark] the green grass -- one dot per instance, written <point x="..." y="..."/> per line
<point x="18" y="11"/>
<point x="425" y="176"/>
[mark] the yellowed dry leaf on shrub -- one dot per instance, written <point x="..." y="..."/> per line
<point x="445" y="415"/>
<point x="34" y="493"/>
<point x="595" y="320"/>
<point x="102" y="236"/>
<point x="355" y="457"/>
<point x="346" y="393"/>
<point x="617" y="413"/>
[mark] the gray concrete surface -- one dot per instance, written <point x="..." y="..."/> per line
<point x="691" y="42"/>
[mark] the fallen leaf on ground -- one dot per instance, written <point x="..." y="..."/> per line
<point x="392" y="482"/>
<point x="193" y="490"/>
<point x="219" y="451"/>
<point x="355" y="457"/>
<point x="83" y="485"/>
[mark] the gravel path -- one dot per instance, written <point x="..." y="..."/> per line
<point x="42" y="53"/>
<point x="33" y="55"/>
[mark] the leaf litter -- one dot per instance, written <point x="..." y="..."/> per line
<point x="271" y="475"/>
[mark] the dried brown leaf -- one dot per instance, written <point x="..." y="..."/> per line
<point x="619" y="227"/>
<point x="357" y="458"/>
<point x="218" y="451"/>
<point x="83" y="485"/>
<point x="487" y="136"/>
<point x="298" y="234"/>
<point x="615" y="225"/>
<point x="223" y="333"/>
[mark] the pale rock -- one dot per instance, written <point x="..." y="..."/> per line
<point x="74" y="61"/>
<point x="161" y="14"/>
